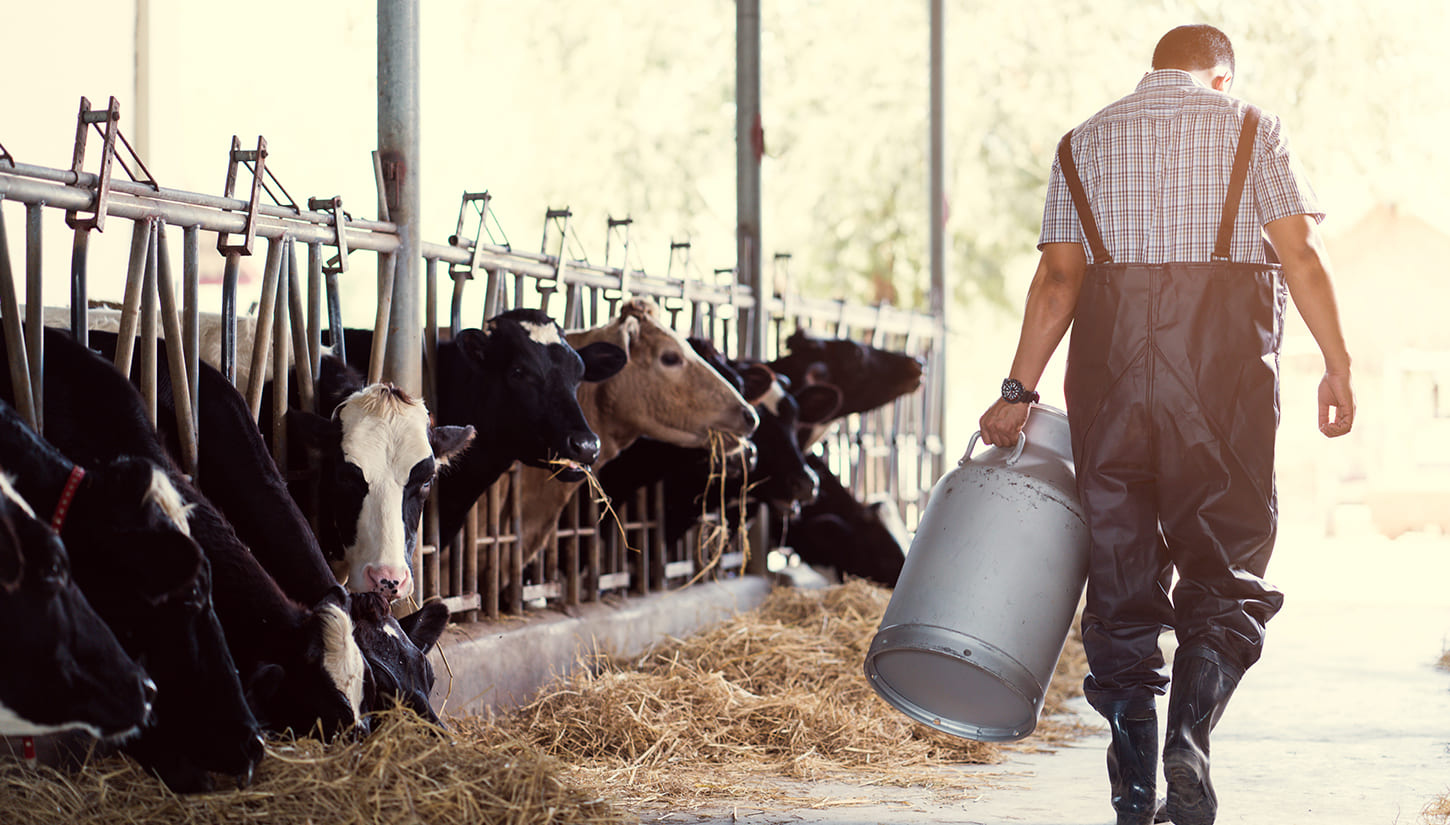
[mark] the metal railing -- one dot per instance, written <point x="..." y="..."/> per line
<point x="892" y="453"/>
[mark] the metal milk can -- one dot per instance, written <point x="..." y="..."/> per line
<point x="991" y="584"/>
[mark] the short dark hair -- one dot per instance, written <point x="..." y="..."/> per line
<point x="1193" y="49"/>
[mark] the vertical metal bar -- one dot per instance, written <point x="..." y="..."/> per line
<point x="430" y="336"/>
<point x="131" y="302"/>
<point x="494" y="517"/>
<point x="280" y="346"/>
<point x="183" y="378"/>
<point x="290" y="303"/>
<point x="79" y="252"/>
<point x="229" y="316"/>
<point x="382" y="326"/>
<point x="262" y="338"/>
<point x="516" y="552"/>
<point x="470" y="560"/>
<point x="940" y="296"/>
<point x="749" y="148"/>
<point x="398" y="147"/>
<point x="35" y="310"/>
<point x="334" y="316"/>
<point x="147" y="376"/>
<point x="14" y="336"/>
<point x="314" y="307"/>
<point x="191" y="320"/>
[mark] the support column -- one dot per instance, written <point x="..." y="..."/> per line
<point x="398" y="149"/>
<point x="749" y="148"/>
<point x="937" y="209"/>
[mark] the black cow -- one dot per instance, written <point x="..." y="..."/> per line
<point x="126" y="532"/>
<point x="398" y="652"/>
<point x="378" y="456"/>
<point x="868" y="377"/>
<point x="65" y="670"/>
<point x="838" y="532"/>
<point x="515" y="382"/>
<point x="778" y="475"/>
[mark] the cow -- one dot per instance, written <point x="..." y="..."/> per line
<point x="514" y="380"/>
<point x="65" y="670"/>
<point x="843" y="535"/>
<point x="868" y="377"/>
<point x="778" y="476"/>
<point x="378" y="456"/>
<point x="238" y="475"/>
<point x="126" y="531"/>
<point x="665" y="391"/>
<point x="398" y="649"/>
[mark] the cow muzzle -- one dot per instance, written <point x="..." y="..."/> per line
<point x="387" y="580"/>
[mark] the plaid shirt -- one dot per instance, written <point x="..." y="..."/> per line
<point x="1156" y="165"/>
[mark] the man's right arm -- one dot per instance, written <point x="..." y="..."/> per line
<point x="1306" y="271"/>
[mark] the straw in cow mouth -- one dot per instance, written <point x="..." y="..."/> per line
<point x="596" y="490"/>
<point x="715" y="535"/>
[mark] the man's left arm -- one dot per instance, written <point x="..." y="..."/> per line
<point x="1051" y="303"/>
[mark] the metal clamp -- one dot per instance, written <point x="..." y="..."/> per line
<point x="256" y="162"/>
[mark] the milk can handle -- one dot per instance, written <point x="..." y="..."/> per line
<point x="1011" y="459"/>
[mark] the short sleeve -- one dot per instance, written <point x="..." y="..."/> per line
<point x="1281" y="188"/>
<point x="1059" y="218"/>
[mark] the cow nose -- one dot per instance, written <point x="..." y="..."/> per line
<point x="805" y="488"/>
<point x="751" y="420"/>
<point x="388" y="580"/>
<point x="148" y="691"/>
<point x="584" y="445"/>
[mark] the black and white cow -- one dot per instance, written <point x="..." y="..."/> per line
<point x="65" y="670"/>
<point x="379" y="455"/>
<point x="125" y="528"/>
<point x="237" y="473"/>
<point x="398" y="651"/>
<point x="843" y="535"/>
<point x="515" y="382"/>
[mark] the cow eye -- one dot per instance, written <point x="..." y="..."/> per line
<point x="671" y="358"/>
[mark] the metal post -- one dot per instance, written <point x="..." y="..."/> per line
<point x="35" y="310"/>
<point x="398" y="147"/>
<point x="749" y="149"/>
<point x="940" y="296"/>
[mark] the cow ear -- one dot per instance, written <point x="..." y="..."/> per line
<point x="335" y="596"/>
<point x="425" y="625"/>
<point x="602" y="360"/>
<point x="264" y="683"/>
<point x="449" y="440"/>
<point x="473" y="343"/>
<point x="799" y="340"/>
<point x="758" y="380"/>
<point x="818" y="402"/>
<point x="312" y="429"/>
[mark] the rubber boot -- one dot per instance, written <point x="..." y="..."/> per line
<point x="1200" y="691"/>
<point x="1133" y="759"/>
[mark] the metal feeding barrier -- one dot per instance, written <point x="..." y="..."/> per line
<point x="892" y="453"/>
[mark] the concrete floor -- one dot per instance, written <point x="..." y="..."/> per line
<point x="1345" y="720"/>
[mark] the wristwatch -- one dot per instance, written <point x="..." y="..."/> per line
<point x="1014" y="393"/>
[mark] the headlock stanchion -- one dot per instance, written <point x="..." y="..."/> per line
<point x="891" y="453"/>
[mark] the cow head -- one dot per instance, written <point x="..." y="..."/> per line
<point x="144" y="573"/>
<point x="782" y="478"/>
<point x="397" y="653"/>
<point x="527" y="375"/>
<point x="380" y="456"/>
<point x="867" y="376"/>
<point x="666" y="391"/>
<point x="65" y="670"/>
<point x="322" y="689"/>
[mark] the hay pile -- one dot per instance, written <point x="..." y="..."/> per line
<point x="406" y="772"/>
<point x="778" y="692"/>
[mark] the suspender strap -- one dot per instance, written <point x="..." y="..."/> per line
<point x="1236" y="180"/>
<point x="1080" y="201"/>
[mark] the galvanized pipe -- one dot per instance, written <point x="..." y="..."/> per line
<point x="398" y="150"/>
<point x="14" y="336"/>
<point x="35" y="310"/>
<point x="262" y="339"/>
<point x="184" y="379"/>
<point x="301" y="355"/>
<point x="131" y="302"/>
<point x="191" y="324"/>
<point x="940" y="295"/>
<point x="79" y="310"/>
<point x="749" y="147"/>
<point x="147" y="372"/>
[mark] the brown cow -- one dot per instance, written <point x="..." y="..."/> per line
<point x="666" y="391"/>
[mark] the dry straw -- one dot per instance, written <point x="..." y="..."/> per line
<point x="408" y="771"/>
<point x="719" y="717"/>
<point x="775" y="693"/>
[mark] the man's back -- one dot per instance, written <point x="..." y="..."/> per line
<point x="1155" y="166"/>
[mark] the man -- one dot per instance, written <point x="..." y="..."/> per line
<point x="1158" y="263"/>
